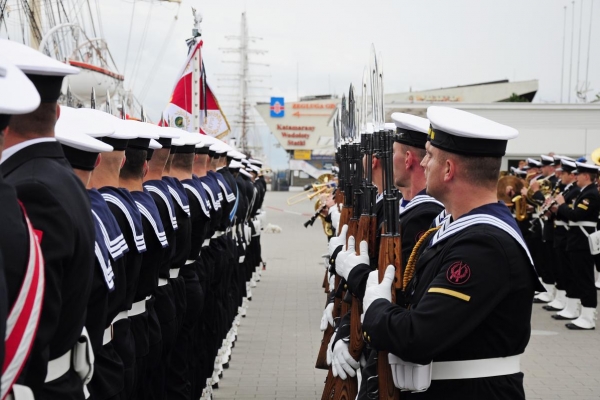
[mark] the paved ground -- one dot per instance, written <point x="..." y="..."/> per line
<point x="279" y="339"/>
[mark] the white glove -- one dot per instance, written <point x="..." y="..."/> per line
<point x="330" y="350"/>
<point x="335" y="218"/>
<point x="347" y="260"/>
<point x="377" y="290"/>
<point x="338" y="240"/>
<point x="332" y="283"/>
<point x="327" y="317"/>
<point x="256" y="224"/>
<point x="262" y="217"/>
<point x="247" y="233"/>
<point x="343" y="364"/>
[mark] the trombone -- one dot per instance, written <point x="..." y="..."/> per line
<point x="305" y="195"/>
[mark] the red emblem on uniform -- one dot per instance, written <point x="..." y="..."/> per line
<point x="458" y="273"/>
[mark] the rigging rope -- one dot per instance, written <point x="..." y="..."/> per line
<point x="138" y="58"/>
<point x="129" y="39"/>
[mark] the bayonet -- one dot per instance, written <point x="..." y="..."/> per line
<point x="93" y="99"/>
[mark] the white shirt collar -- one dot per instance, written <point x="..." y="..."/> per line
<point x="379" y="197"/>
<point x="7" y="153"/>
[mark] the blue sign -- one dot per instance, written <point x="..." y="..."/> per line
<point x="277" y="107"/>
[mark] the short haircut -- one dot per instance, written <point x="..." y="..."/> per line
<point x="480" y="171"/>
<point x="40" y="121"/>
<point x="183" y="161"/>
<point x="593" y="176"/>
<point x="134" y="164"/>
<point x="420" y="153"/>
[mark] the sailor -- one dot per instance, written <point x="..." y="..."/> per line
<point x="204" y="339"/>
<point x="164" y="296"/>
<point x="146" y="326"/>
<point x="564" y="269"/>
<point x="74" y="133"/>
<point x="582" y="215"/>
<point x="59" y="209"/>
<point x="121" y="204"/>
<point x="471" y="276"/>
<point x="179" y="385"/>
<point x="416" y="217"/>
<point x="546" y="264"/>
<point x="20" y="253"/>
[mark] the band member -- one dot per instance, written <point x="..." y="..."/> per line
<point x="582" y="215"/>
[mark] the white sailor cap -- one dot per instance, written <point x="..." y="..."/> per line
<point x="411" y="130"/>
<point x="256" y="162"/>
<point x="236" y="155"/>
<point x="244" y="172"/>
<point x="44" y="72"/>
<point x="187" y="142"/>
<point x="90" y="122"/>
<point x="80" y="149"/>
<point x="235" y="165"/>
<point x="143" y="131"/>
<point x="254" y="168"/>
<point x="517" y="171"/>
<point x="219" y="148"/>
<point x="19" y="95"/>
<point x="167" y="134"/>
<point x="547" y="160"/>
<point x="533" y="163"/>
<point x="567" y="166"/>
<point x="463" y="133"/>
<point x="586" y="168"/>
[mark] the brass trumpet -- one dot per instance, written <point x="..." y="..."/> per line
<point x="326" y="182"/>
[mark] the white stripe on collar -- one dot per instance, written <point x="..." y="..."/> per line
<point x="177" y="198"/>
<point x="159" y="192"/>
<point x="216" y="204"/>
<point x="162" y="237"/>
<point x="106" y="267"/>
<point x="229" y="196"/>
<point x="420" y="199"/>
<point x="117" y="246"/>
<point x="449" y="228"/>
<point x="140" y="243"/>
<point x="200" y="199"/>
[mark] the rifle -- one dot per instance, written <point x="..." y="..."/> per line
<point x="390" y="245"/>
<point x="342" y="159"/>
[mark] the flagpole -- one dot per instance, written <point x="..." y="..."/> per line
<point x="196" y="73"/>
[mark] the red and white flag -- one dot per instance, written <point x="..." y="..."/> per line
<point x="179" y="112"/>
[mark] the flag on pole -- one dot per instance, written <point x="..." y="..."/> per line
<point x="180" y="111"/>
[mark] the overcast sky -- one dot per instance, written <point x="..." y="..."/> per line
<point x="425" y="44"/>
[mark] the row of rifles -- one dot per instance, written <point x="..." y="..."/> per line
<point x="355" y="141"/>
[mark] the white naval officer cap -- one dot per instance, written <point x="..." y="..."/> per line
<point x="567" y="166"/>
<point x="464" y="133"/>
<point x="411" y="130"/>
<point x="256" y="162"/>
<point x="220" y="148"/>
<point x="19" y="95"/>
<point x="245" y="172"/>
<point x="167" y="134"/>
<point x="533" y="163"/>
<point x="236" y="155"/>
<point x="44" y="72"/>
<point x="547" y="160"/>
<point x="585" y="168"/>
<point x="235" y="164"/>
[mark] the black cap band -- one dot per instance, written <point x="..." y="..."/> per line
<point x="117" y="144"/>
<point x="165" y="142"/>
<point x="79" y="159"/>
<point x="149" y="154"/>
<point x="4" y="120"/>
<point x="187" y="149"/>
<point x="466" y="146"/>
<point x="567" y="168"/>
<point x="47" y="86"/>
<point x="411" y="138"/>
<point x="202" y="150"/>
<point x="139" y="144"/>
<point x="589" y="170"/>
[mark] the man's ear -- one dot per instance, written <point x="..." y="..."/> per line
<point x="145" y="168"/>
<point x="123" y="161"/>
<point x="409" y="159"/>
<point x="98" y="160"/>
<point x="450" y="170"/>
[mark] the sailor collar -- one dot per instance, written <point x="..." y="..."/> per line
<point x="122" y="198"/>
<point x="109" y="228"/>
<point x="145" y="203"/>
<point x="495" y="214"/>
<point x="162" y="190"/>
<point x="420" y="198"/>
<point x="178" y="193"/>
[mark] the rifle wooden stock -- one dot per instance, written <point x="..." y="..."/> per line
<point x="345" y="217"/>
<point x="339" y="197"/>
<point x="322" y="356"/>
<point x="348" y="388"/>
<point x="389" y="254"/>
<point x="326" y="281"/>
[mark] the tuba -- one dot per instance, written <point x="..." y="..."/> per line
<point x="518" y="202"/>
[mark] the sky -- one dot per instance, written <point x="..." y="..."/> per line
<point x="320" y="47"/>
